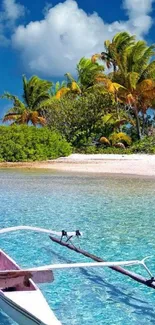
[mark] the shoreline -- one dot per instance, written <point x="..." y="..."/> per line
<point x="134" y="165"/>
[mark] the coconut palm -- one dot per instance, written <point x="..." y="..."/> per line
<point x="136" y="74"/>
<point x="136" y="59"/>
<point x="58" y="90"/>
<point x="35" y="92"/>
<point x="87" y="72"/>
<point x="133" y="69"/>
<point x="57" y="86"/>
<point x="112" y="56"/>
<point x="138" y="96"/>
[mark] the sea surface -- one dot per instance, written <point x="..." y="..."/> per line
<point x="117" y="217"/>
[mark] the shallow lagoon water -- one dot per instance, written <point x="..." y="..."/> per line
<point x="116" y="215"/>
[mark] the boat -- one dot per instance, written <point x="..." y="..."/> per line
<point x="21" y="299"/>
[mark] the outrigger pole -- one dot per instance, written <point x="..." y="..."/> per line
<point x="138" y="278"/>
<point x="116" y="266"/>
<point x="37" y="229"/>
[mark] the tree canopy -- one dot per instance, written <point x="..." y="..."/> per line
<point x="108" y="97"/>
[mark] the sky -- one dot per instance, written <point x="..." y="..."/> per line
<point x="48" y="38"/>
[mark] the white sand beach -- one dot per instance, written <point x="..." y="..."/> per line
<point x="142" y="165"/>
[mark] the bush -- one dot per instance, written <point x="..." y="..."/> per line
<point x="28" y="143"/>
<point x="108" y="150"/>
<point x="79" y="119"/>
<point x="146" y="145"/>
<point x="120" y="137"/>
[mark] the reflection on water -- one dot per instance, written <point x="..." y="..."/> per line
<point x="116" y="216"/>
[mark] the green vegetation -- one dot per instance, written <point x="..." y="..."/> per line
<point x="80" y="120"/>
<point x="146" y="145"/>
<point x="35" y="93"/>
<point x="25" y="143"/>
<point x="96" y="112"/>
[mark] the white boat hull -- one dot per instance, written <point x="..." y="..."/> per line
<point x="36" y="311"/>
<point x="21" y="301"/>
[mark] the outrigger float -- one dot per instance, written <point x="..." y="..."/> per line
<point x="21" y="299"/>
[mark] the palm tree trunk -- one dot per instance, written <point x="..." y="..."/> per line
<point x="139" y="135"/>
<point x="117" y="110"/>
<point x="114" y="67"/>
<point x="143" y="125"/>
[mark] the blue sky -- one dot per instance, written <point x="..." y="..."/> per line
<point x="47" y="38"/>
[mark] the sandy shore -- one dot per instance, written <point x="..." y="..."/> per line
<point x="142" y="165"/>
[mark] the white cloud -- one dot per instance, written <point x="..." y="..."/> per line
<point x="53" y="45"/>
<point x="138" y="7"/>
<point x="139" y="20"/>
<point x="10" y="13"/>
<point x="12" y="10"/>
<point x="46" y="8"/>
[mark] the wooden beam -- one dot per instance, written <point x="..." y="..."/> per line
<point x="138" y="278"/>
<point x="43" y="276"/>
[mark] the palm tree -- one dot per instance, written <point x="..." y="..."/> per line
<point x="132" y="64"/>
<point x="112" y="56"/>
<point x="60" y="89"/>
<point x="136" y="74"/>
<point x="35" y="92"/>
<point x="138" y="97"/>
<point x="87" y="72"/>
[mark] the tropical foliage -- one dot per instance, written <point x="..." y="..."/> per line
<point x="80" y="120"/>
<point x="35" y="93"/>
<point x="134" y="70"/>
<point x="23" y="143"/>
<point x="105" y="106"/>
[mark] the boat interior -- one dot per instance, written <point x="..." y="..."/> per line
<point x="12" y="282"/>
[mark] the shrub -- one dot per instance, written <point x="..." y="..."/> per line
<point x="120" y="137"/>
<point x="26" y="143"/>
<point x="108" y="150"/>
<point x="146" y="145"/>
<point x="79" y="119"/>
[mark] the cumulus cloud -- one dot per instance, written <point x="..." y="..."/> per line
<point x="46" y="8"/>
<point x="53" y="45"/>
<point x="10" y="12"/>
<point x="139" y="19"/>
<point x="138" y="7"/>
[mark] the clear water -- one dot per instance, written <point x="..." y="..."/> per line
<point x="117" y="217"/>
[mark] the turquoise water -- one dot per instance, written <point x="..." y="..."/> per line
<point x="116" y="216"/>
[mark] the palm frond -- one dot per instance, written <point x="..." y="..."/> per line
<point x="95" y="57"/>
<point x="131" y="80"/>
<point x="143" y="62"/>
<point x="41" y="98"/>
<point x="10" y="117"/>
<point x="106" y="44"/>
<point x="87" y="72"/>
<point x="33" y="88"/>
<point x="70" y="79"/>
<point x="122" y="40"/>
<point x="18" y="105"/>
<point x="149" y="72"/>
<point x="146" y="85"/>
<point x="75" y="87"/>
<point x="63" y="91"/>
<point x="24" y="118"/>
<point x="25" y="95"/>
<point x="41" y="121"/>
